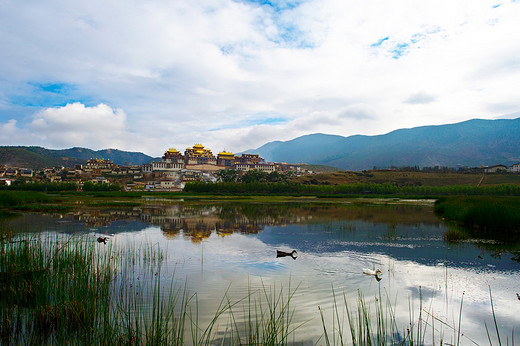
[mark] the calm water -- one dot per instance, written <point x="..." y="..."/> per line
<point x="232" y="247"/>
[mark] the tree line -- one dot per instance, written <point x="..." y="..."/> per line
<point x="63" y="186"/>
<point x="348" y="189"/>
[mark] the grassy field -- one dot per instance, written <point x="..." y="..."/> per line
<point x="392" y="177"/>
<point x="497" y="179"/>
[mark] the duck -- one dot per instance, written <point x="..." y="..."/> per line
<point x="102" y="240"/>
<point x="378" y="274"/>
<point x="292" y="254"/>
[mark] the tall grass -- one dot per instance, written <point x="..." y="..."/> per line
<point x="374" y="322"/>
<point x="60" y="289"/>
<point x="73" y="290"/>
<point x="487" y="213"/>
<point x="9" y="199"/>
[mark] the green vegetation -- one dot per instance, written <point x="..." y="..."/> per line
<point x="21" y="185"/>
<point x="373" y="322"/>
<point x="33" y="158"/>
<point x="5" y="215"/>
<point x="90" y="186"/>
<point x="491" y="215"/>
<point x="72" y="290"/>
<point x="455" y="235"/>
<point x="12" y="199"/>
<point x="394" y="177"/>
<point x="58" y="291"/>
<point x="113" y="204"/>
<point x="38" y="157"/>
<point x="349" y="189"/>
<point x="254" y="176"/>
<point x="319" y="168"/>
<point x="496" y="179"/>
<point x="30" y="201"/>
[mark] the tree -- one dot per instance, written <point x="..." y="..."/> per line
<point x="254" y="176"/>
<point x="227" y="176"/>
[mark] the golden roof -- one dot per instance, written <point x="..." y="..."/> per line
<point x="172" y="150"/>
<point x="225" y="153"/>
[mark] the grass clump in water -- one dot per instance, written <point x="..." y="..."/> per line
<point x="490" y="214"/>
<point x="455" y="235"/>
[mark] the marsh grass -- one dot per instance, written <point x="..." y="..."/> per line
<point x="61" y="289"/>
<point x="374" y="322"/>
<point x="51" y="289"/>
<point x="455" y="235"/>
<point x="9" y="199"/>
<point x="490" y="214"/>
<point x="6" y="215"/>
<point x="113" y="204"/>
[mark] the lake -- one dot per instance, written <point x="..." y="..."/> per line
<point x="218" y="249"/>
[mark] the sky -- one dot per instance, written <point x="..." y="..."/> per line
<point x="233" y="75"/>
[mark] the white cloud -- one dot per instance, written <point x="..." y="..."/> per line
<point x="75" y="124"/>
<point x="9" y="128"/>
<point x="420" y="98"/>
<point x="182" y="69"/>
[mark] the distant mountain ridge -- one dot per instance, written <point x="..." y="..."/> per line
<point x="38" y="157"/>
<point x="470" y="143"/>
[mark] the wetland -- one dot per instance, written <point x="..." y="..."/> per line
<point x="206" y="271"/>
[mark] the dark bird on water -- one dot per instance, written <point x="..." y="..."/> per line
<point x="292" y="254"/>
<point x="102" y="240"/>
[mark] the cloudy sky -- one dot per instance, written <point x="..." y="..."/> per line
<point x="234" y="74"/>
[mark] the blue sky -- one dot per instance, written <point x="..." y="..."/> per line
<point x="149" y="75"/>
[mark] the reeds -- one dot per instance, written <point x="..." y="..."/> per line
<point x="374" y="322"/>
<point x="60" y="289"/>
<point x="493" y="215"/>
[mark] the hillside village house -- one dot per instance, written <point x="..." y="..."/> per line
<point x="515" y="168"/>
<point x="495" y="169"/>
<point x="6" y="181"/>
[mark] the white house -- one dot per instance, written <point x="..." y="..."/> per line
<point x="495" y="169"/>
<point x="515" y="168"/>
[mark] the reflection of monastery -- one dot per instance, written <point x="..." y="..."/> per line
<point x="104" y="217"/>
<point x="200" y="223"/>
<point x="194" y="222"/>
<point x="199" y="158"/>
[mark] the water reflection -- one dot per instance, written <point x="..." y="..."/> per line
<point x="405" y="232"/>
<point x="340" y="246"/>
<point x="198" y="221"/>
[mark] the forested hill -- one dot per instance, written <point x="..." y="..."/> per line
<point x="471" y="143"/>
<point x="38" y="157"/>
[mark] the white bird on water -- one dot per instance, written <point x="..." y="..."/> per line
<point x="378" y="274"/>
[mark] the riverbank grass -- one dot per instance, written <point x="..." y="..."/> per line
<point x="494" y="215"/>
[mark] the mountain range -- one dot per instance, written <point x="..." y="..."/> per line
<point x="470" y="143"/>
<point x="38" y="157"/>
